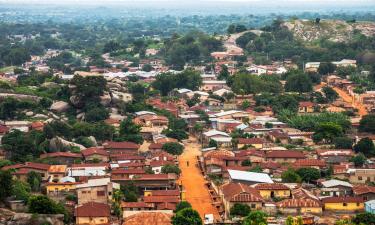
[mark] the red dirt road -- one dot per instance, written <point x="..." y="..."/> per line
<point x="193" y="181"/>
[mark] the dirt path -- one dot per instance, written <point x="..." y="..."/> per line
<point x="347" y="98"/>
<point x="193" y="181"/>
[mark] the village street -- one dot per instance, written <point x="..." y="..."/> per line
<point x="193" y="181"/>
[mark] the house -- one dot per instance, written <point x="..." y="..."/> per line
<point x="62" y="187"/>
<point x="217" y="161"/>
<point x="155" y="147"/>
<point x="124" y="147"/>
<point x="361" y="176"/>
<point x="287" y="156"/>
<point x="96" y="190"/>
<point x="335" y="156"/>
<point x="299" y="206"/>
<point x="37" y="125"/>
<point x="335" y="188"/>
<point x="151" y="181"/>
<point x="310" y="163"/>
<point x="21" y="170"/>
<point x="56" y="172"/>
<point x="213" y="85"/>
<point x="364" y="191"/>
<point x="343" y="204"/>
<point x="132" y="208"/>
<point x="93" y="213"/>
<point x="148" y="120"/>
<point x="249" y="177"/>
<point x="145" y="218"/>
<point x="269" y="191"/>
<point x="160" y="202"/>
<point x="370" y="206"/>
<point x="88" y="169"/>
<point x="306" y="107"/>
<point x="220" y="137"/>
<point x="95" y="154"/>
<point x="233" y="193"/>
<point x="3" y="130"/>
<point x="157" y="165"/>
<point x="254" y="142"/>
<point x="67" y="158"/>
<point x="126" y="173"/>
<point x="278" y="136"/>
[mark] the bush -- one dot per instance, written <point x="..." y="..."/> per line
<point x="173" y="148"/>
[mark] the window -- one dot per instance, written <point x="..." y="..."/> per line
<point x="253" y="206"/>
<point x="100" y="193"/>
<point x="359" y="178"/>
<point x="83" y="192"/>
<point x="357" y="203"/>
<point x="345" y="204"/>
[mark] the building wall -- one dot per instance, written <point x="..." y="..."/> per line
<point x="102" y="158"/>
<point x="91" y="220"/>
<point x="266" y="194"/>
<point x="93" y="194"/>
<point x="56" y="188"/>
<point x="344" y="207"/>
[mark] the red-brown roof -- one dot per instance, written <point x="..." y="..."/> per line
<point x="306" y="104"/>
<point x="144" y="218"/>
<point x="298" y="203"/>
<point x="238" y="192"/>
<point x="346" y="199"/>
<point x="121" y="145"/>
<point x="154" y="146"/>
<point x="128" y="171"/>
<point x="310" y="162"/>
<point x="159" y="199"/>
<point x="250" y="141"/>
<point x="165" y="193"/>
<point x="363" y="189"/>
<point x="274" y="186"/>
<point x="28" y="165"/>
<point x="60" y="154"/>
<point x="3" y="129"/>
<point x="135" y="205"/>
<point x="94" y="151"/>
<point x="90" y="165"/>
<point x="285" y="154"/>
<point x="92" y="209"/>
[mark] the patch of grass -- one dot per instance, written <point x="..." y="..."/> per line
<point x="7" y="69"/>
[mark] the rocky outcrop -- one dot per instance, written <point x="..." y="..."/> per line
<point x="118" y="97"/>
<point x="60" y="144"/>
<point x="28" y="218"/>
<point x="106" y="99"/>
<point x="60" y="106"/>
<point x="19" y="97"/>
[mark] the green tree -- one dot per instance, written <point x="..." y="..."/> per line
<point x="96" y="114"/>
<point x="256" y="218"/>
<point x="170" y="168"/>
<point x="308" y="174"/>
<point x="187" y="216"/>
<point x="298" y="82"/>
<point x="224" y="73"/>
<point x="327" y="132"/>
<point x="5" y="184"/>
<point x="343" y="143"/>
<point x="365" y="146"/>
<point x="331" y="95"/>
<point x="19" y="145"/>
<point x="182" y="205"/>
<point x="34" y="179"/>
<point x="212" y="144"/>
<point x="173" y="148"/>
<point x="358" y="160"/>
<point x="239" y="209"/>
<point x="130" y="131"/>
<point x="326" y="68"/>
<point x="21" y="191"/>
<point x="41" y="204"/>
<point x="147" y="67"/>
<point x="364" y="218"/>
<point x="367" y="123"/>
<point x="246" y="162"/>
<point x="291" y="176"/>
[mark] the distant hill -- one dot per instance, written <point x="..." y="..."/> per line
<point x="334" y="30"/>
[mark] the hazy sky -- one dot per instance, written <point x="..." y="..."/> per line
<point x="331" y="2"/>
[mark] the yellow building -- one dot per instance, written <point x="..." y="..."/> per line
<point x="92" y="213"/>
<point x="178" y="193"/>
<point x="60" y="187"/>
<point x="299" y="206"/>
<point x="353" y="204"/>
<point x="276" y="190"/>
